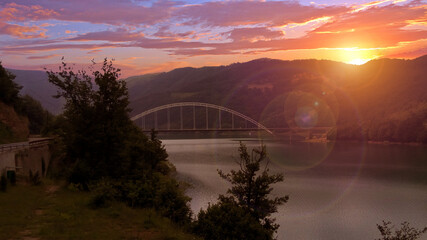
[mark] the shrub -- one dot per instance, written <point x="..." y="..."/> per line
<point x="156" y="191"/>
<point x="34" y="178"/>
<point x="227" y="220"/>
<point x="103" y="192"/>
<point x="404" y="233"/>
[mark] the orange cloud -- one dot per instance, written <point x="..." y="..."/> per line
<point x="23" y="32"/>
<point x="17" y="12"/>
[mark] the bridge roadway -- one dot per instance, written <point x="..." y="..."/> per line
<point x="317" y="131"/>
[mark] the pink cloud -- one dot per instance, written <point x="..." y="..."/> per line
<point x="253" y="34"/>
<point x="51" y="47"/>
<point x="235" y="13"/>
<point x="119" y="35"/>
<point x="165" y="32"/>
<point x="43" y="57"/>
<point x="376" y="17"/>
<point x="93" y="11"/>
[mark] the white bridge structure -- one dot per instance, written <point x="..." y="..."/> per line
<point x="206" y="106"/>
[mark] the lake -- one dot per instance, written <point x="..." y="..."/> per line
<point x="337" y="190"/>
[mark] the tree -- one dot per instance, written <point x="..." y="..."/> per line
<point x="9" y="90"/>
<point x="404" y="233"/>
<point x="100" y="139"/>
<point x="108" y="154"/>
<point x="249" y="194"/>
<point x="97" y="119"/>
<point x="250" y="190"/>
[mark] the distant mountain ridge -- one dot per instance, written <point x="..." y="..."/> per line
<point x="36" y="84"/>
<point x="384" y="99"/>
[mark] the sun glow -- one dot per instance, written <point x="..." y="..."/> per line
<point x="358" y="61"/>
<point x="358" y="56"/>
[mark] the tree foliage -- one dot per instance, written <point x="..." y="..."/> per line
<point x="107" y="153"/>
<point x="9" y="90"/>
<point x="251" y="189"/>
<point x="97" y="126"/>
<point x="23" y="105"/>
<point x="247" y="206"/>
<point x="227" y="220"/>
<point x="404" y="233"/>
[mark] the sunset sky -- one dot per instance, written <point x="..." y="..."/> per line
<point x="151" y="36"/>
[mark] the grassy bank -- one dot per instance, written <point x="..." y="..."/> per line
<point x="52" y="212"/>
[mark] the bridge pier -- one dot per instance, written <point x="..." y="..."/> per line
<point x="180" y="111"/>
<point x="194" y="116"/>
<point x="219" y="114"/>
<point x="169" y="119"/>
<point x="232" y="121"/>
<point x="155" y="120"/>
<point x="207" y="118"/>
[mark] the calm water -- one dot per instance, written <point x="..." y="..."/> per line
<point x="337" y="191"/>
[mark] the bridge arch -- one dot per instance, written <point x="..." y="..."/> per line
<point x="200" y="104"/>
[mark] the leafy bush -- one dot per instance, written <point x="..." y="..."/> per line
<point x="227" y="220"/>
<point x="404" y="233"/>
<point x="103" y="193"/>
<point x="34" y="178"/>
<point x="152" y="190"/>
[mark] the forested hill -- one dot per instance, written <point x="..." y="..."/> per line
<point x="384" y="100"/>
<point x="381" y="100"/>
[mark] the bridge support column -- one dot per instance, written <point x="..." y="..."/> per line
<point x="232" y="121"/>
<point x="207" y="118"/>
<point x="180" y="111"/>
<point x="169" y="119"/>
<point x="219" y="116"/>
<point x="194" y="117"/>
<point x="155" y="120"/>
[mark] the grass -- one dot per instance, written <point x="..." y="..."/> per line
<point x="50" y="212"/>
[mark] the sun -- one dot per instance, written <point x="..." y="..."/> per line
<point x="358" y="61"/>
<point x="357" y="56"/>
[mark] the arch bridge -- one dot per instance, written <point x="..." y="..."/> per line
<point x="206" y="106"/>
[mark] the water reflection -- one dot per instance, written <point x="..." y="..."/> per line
<point x="336" y="191"/>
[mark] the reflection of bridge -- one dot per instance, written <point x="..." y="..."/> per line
<point x="218" y="118"/>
